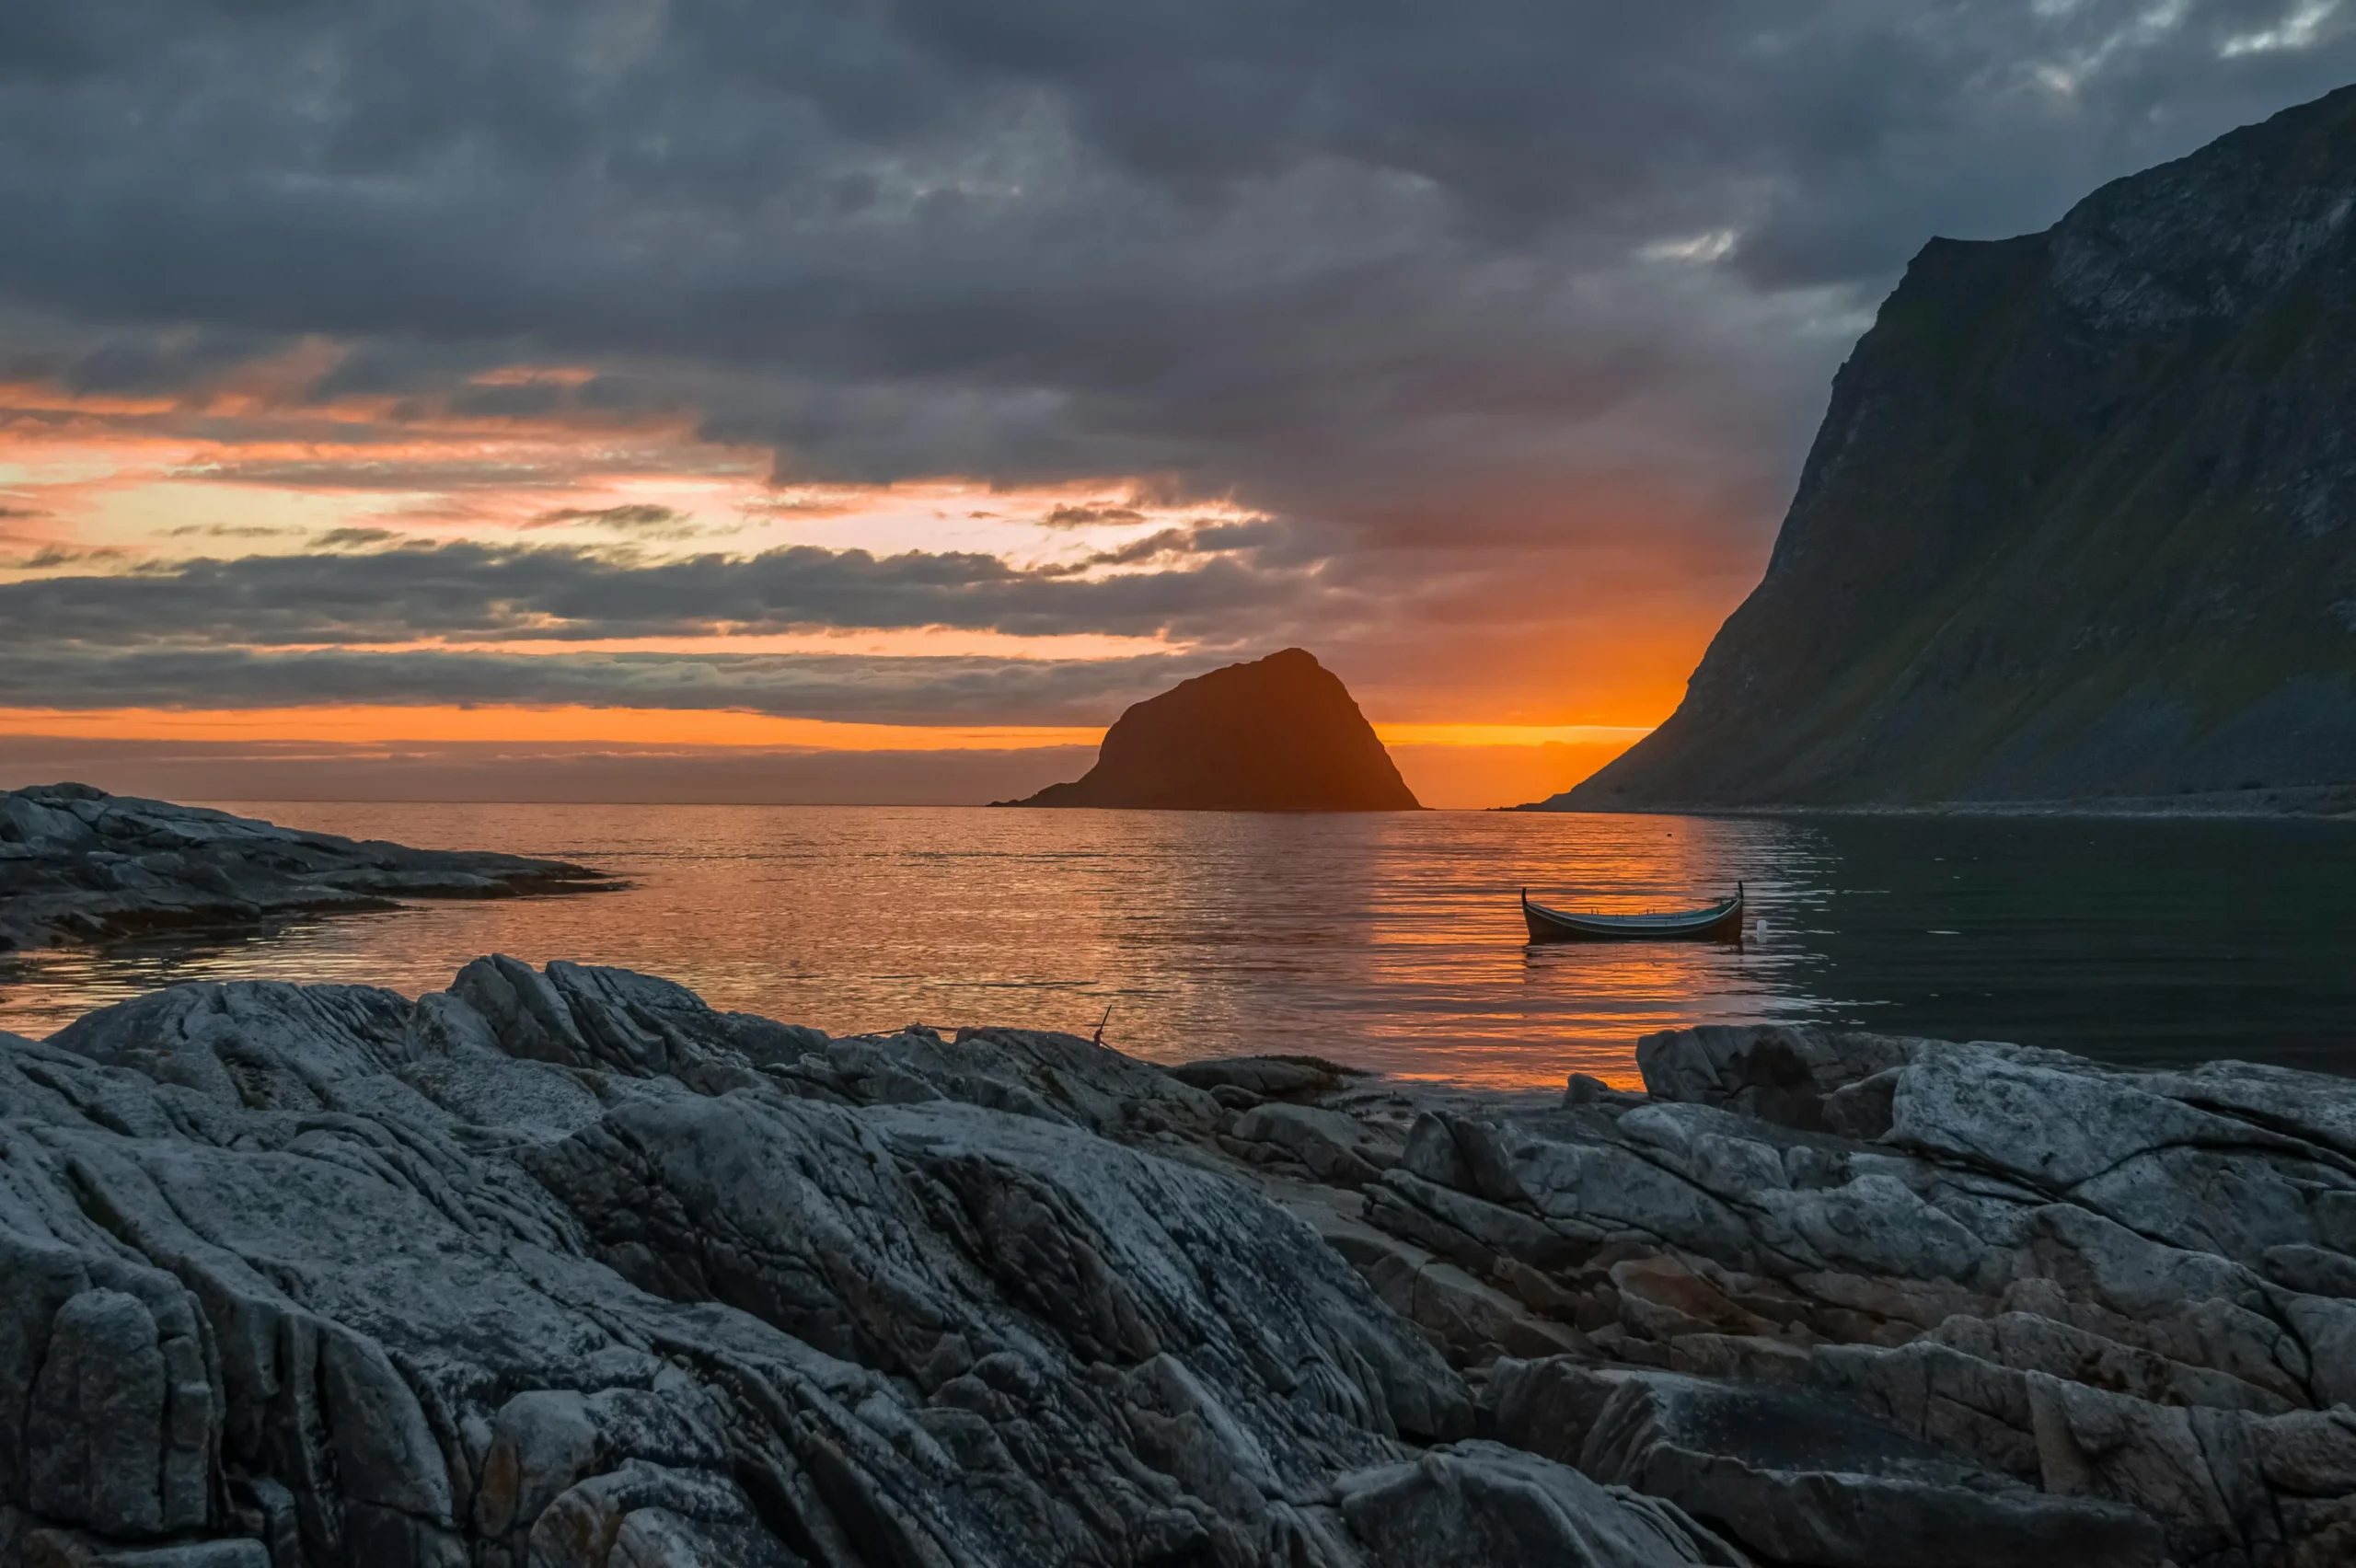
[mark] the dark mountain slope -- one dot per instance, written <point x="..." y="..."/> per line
<point x="2081" y="519"/>
<point x="1280" y="734"/>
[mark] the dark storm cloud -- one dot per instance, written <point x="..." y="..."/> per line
<point x="1502" y="313"/>
<point x="1341" y="259"/>
<point x="470" y="592"/>
<point x="905" y="690"/>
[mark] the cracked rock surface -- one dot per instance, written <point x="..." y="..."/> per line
<point x="1855" y="1299"/>
<point x="565" y="1268"/>
<point x="79" y="865"/>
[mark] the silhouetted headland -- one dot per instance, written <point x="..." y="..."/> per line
<point x="2078" y="524"/>
<point x="1277" y="735"/>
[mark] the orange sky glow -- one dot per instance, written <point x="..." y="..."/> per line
<point x="99" y="485"/>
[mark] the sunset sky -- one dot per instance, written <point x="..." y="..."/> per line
<point x="831" y="400"/>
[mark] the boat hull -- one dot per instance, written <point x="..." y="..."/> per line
<point x="1719" y="922"/>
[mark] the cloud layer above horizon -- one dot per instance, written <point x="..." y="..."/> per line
<point x="941" y="362"/>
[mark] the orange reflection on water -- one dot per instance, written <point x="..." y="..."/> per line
<point x="1391" y="941"/>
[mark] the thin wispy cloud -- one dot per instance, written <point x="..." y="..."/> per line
<point x="643" y="519"/>
<point x="900" y="689"/>
<point x="382" y="589"/>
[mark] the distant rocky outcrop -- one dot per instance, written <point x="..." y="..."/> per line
<point x="2080" y="521"/>
<point x="1277" y="735"/>
<point x="77" y="865"/>
<point x="564" y="1269"/>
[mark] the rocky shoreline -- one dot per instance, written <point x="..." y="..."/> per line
<point x="79" y="865"/>
<point x="566" y="1268"/>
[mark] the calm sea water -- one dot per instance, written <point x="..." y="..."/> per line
<point x="1392" y="941"/>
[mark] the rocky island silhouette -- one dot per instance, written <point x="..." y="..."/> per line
<point x="1277" y="735"/>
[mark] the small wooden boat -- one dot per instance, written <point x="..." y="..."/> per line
<point x="1721" y="921"/>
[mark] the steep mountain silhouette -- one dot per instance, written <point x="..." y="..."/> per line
<point x="2080" y="521"/>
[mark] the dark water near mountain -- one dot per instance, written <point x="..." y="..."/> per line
<point x="1389" y="940"/>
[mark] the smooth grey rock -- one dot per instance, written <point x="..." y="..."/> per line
<point x="1486" y="1506"/>
<point x="1874" y="1224"/>
<point x="1610" y="1185"/>
<point x="2312" y="1453"/>
<point x="2164" y="1459"/>
<point x="1664" y="1298"/>
<point x="542" y="1441"/>
<point x="1799" y="1481"/>
<point x="257" y="1043"/>
<point x="2054" y="1128"/>
<point x="2317" y="1107"/>
<point x="1468" y="1319"/>
<point x="2027" y="1342"/>
<point x="97" y="1431"/>
<point x="1336" y="1147"/>
<point x="62" y="1549"/>
<point x="582" y="1017"/>
<point x="1938" y="1395"/>
<point x="2312" y="1270"/>
<point x="1716" y="1150"/>
<point x="1495" y="1229"/>
<point x="642" y="1513"/>
<point x="1585" y="1089"/>
<point x="1267" y="1078"/>
<point x="1778" y="1073"/>
<point x="2327" y="1329"/>
<point x="1089" y="1085"/>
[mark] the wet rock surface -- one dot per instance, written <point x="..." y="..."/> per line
<point x="564" y="1267"/>
<point x="79" y="865"/>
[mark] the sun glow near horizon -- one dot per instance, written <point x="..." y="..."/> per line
<point x="331" y="558"/>
<point x="1470" y="765"/>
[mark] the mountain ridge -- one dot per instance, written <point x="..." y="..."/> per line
<point x="2080" y="521"/>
